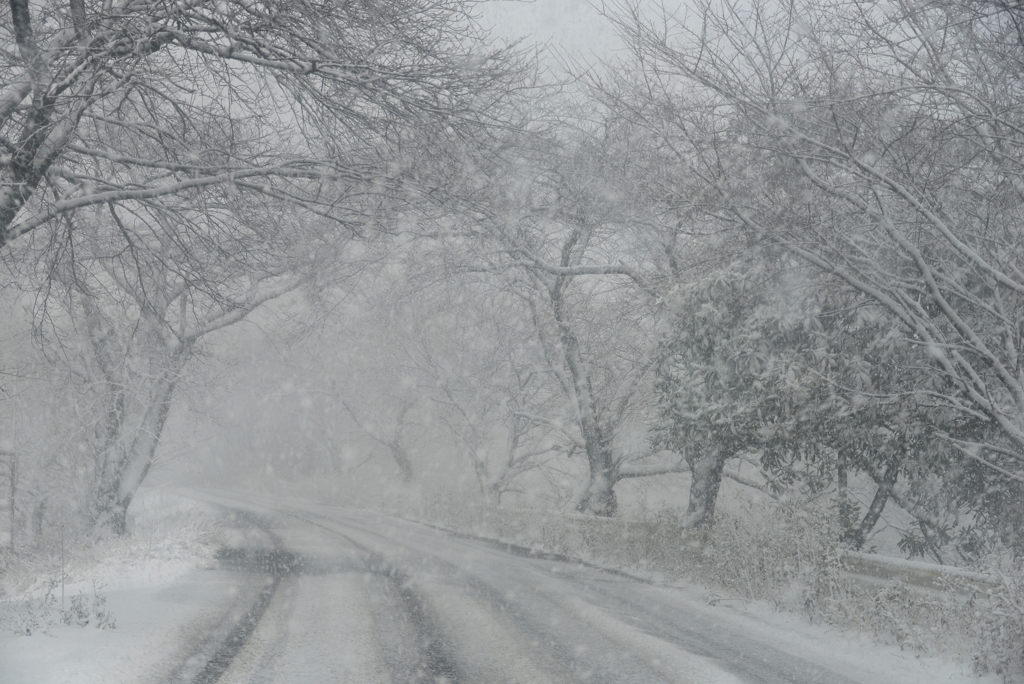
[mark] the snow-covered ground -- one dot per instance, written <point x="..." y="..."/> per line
<point x="153" y="585"/>
<point x="166" y="596"/>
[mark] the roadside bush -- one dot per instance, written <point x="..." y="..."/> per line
<point x="168" y="537"/>
<point x="36" y="612"/>
<point x="784" y="555"/>
<point x="789" y="557"/>
<point x="1000" y="629"/>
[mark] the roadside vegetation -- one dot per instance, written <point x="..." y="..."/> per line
<point x="65" y="582"/>
<point x="780" y="556"/>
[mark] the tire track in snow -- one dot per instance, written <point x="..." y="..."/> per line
<point x="429" y="660"/>
<point x="213" y="656"/>
<point x="225" y="653"/>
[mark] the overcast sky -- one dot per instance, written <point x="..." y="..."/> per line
<point x="574" y="26"/>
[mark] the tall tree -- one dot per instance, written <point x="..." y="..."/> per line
<point x="171" y="167"/>
<point x="125" y="308"/>
<point x="883" y="147"/>
<point x="568" y="238"/>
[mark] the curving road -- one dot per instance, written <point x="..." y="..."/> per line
<point x="361" y="597"/>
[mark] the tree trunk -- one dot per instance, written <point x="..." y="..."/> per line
<point x="480" y="469"/>
<point x="402" y="459"/>
<point x="38" y="521"/>
<point x="393" y="443"/>
<point x="857" y="536"/>
<point x="12" y="493"/>
<point x="843" y="494"/>
<point x="599" y="498"/>
<point x="706" y="478"/>
<point x="132" y="463"/>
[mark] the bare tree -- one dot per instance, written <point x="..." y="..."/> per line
<point x="171" y="167"/>
<point x="587" y="261"/>
<point x="115" y="102"/>
<point x="390" y="437"/>
<point x="477" y="366"/>
<point x="125" y="306"/>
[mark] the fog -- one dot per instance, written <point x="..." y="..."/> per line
<point x="542" y="341"/>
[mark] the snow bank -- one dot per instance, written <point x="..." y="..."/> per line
<point x="170" y="535"/>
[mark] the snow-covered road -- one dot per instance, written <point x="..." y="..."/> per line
<point x="363" y="597"/>
<point x="387" y="600"/>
